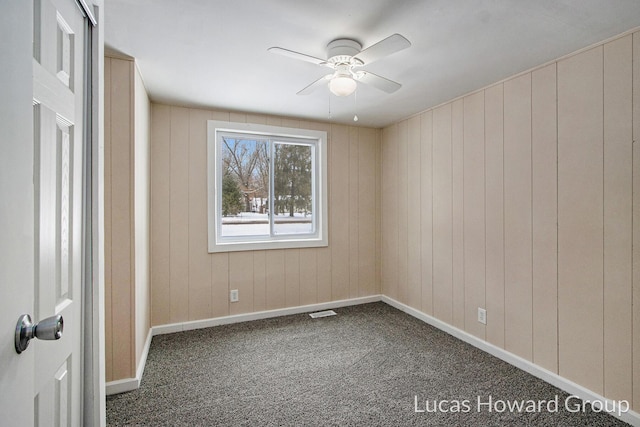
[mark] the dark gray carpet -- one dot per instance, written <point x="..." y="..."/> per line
<point x="363" y="367"/>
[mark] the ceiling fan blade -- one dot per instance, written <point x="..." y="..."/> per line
<point x="391" y="44"/>
<point x="378" y="82"/>
<point x="297" y="55"/>
<point x="315" y="85"/>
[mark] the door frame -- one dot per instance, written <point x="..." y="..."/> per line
<point x="93" y="337"/>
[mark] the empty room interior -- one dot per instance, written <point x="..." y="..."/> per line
<point x="454" y="186"/>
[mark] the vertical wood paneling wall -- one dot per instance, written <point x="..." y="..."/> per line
<point x="520" y="199"/>
<point x="126" y="152"/>
<point x="118" y="221"/>
<point x="188" y="283"/>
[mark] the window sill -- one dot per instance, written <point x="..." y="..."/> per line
<point x="258" y="245"/>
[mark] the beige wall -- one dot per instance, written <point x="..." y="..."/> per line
<point x="518" y="199"/>
<point x="126" y="218"/>
<point x="188" y="283"/>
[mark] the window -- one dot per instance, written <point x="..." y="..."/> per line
<point x="267" y="187"/>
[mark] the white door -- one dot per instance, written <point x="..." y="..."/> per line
<point x="42" y="385"/>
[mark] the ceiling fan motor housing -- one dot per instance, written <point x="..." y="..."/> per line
<point x="340" y="51"/>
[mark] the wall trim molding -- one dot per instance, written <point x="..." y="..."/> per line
<point x="130" y="384"/>
<point x="552" y="378"/>
<point x="237" y="318"/>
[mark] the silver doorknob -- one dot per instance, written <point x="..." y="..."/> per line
<point x="47" y="329"/>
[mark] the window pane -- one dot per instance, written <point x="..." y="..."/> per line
<point x="292" y="188"/>
<point x="245" y="187"/>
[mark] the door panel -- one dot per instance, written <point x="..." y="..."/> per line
<point x="58" y="114"/>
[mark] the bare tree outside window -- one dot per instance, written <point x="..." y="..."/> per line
<point x="241" y="159"/>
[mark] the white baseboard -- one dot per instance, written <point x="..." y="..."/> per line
<point x="552" y="378"/>
<point x="226" y="320"/>
<point x="121" y="386"/>
<point x="143" y="356"/>
<point x="129" y="384"/>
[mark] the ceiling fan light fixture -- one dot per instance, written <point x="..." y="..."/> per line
<point x="342" y="85"/>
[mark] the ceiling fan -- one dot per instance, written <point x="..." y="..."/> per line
<point x="345" y="57"/>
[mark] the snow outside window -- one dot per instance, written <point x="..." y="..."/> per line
<point x="266" y="186"/>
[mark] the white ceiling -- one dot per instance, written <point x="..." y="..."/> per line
<point x="213" y="53"/>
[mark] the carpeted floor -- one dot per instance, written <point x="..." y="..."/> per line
<point x="364" y="367"/>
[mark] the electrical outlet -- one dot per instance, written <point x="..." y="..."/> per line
<point x="482" y="316"/>
<point x="233" y="295"/>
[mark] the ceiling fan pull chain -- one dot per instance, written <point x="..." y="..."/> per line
<point x="355" y="100"/>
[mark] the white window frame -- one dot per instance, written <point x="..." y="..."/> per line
<point x="316" y="139"/>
